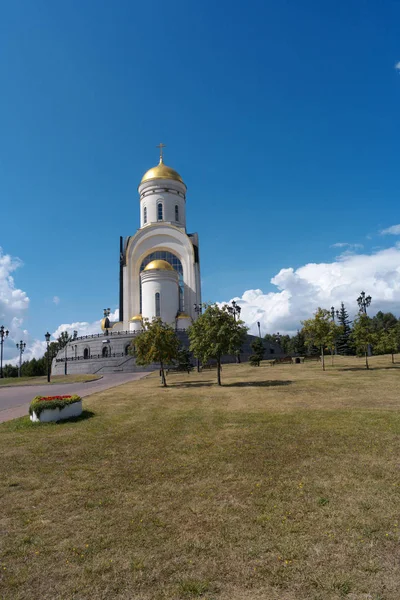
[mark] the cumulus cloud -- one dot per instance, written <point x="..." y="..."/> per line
<point x="397" y="66"/>
<point x="347" y="245"/>
<point x="83" y="327"/>
<point x="56" y="300"/>
<point x="393" y="230"/>
<point x="301" y="291"/>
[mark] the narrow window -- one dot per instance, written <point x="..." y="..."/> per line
<point x="86" y="353"/>
<point x="127" y="350"/>
<point x="105" y="352"/>
<point x="159" y="212"/>
<point x="145" y="215"/>
<point x="158" y="311"/>
<point x="176" y="212"/>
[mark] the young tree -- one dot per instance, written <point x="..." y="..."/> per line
<point x="343" y="342"/>
<point x="183" y="361"/>
<point x="158" y="343"/>
<point x="216" y="333"/>
<point x="258" y="348"/>
<point x="10" y="371"/>
<point x="320" y="331"/>
<point x="388" y="341"/>
<point x="363" y="335"/>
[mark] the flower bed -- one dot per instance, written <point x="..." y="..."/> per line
<point x="55" y="408"/>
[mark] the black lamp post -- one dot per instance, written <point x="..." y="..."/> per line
<point x="259" y="329"/>
<point x="106" y="312"/>
<point x="363" y="302"/>
<point x="21" y="347"/>
<point x="234" y="310"/>
<point x="198" y="309"/>
<point x="47" y="338"/>
<point x="3" y="334"/>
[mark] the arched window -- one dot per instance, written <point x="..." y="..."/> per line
<point x="176" y="212"/>
<point x="158" y="310"/>
<point x="159" y="211"/>
<point x="105" y="352"/>
<point x="86" y="353"/>
<point x="127" y="349"/>
<point x="145" y="215"/>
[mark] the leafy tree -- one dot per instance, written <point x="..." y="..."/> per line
<point x="216" y="333"/>
<point x="258" y="348"/>
<point x="158" y="343"/>
<point x="297" y="344"/>
<point x="10" y="371"/>
<point x="34" y="367"/>
<point x="343" y="343"/>
<point x="388" y="341"/>
<point x="183" y="361"/>
<point x="383" y="321"/>
<point x="320" y="331"/>
<point x="363" y="335"/>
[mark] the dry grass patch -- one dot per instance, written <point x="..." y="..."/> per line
<point x="283" y="484"/>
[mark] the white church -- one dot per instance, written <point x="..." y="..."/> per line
<point x="159" y="277"/>
<point x="160" y="269"/>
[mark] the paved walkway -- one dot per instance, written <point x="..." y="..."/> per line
<point x="14" y="401"/>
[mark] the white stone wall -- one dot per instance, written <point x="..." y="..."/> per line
<point x="166" y="284"/>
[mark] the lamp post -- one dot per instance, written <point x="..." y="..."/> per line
<point x="198" y="309"/>
<point x="259" y="329"/>
<point x="47" y="338"/>
<point x="363" y="302"/>
<point x="106" y="312"/>
<point x="3" y="334"/>
<point x="234" y="310"/>
<point x="21" y="347"/>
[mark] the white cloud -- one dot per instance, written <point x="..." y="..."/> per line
<point x="397" y="66"/>
<point x="83" y="327"/>
<point x="301" y="291"/>
<point x="393" y="230"/>
<point x="56" y="300"/>
<point x="347" y="245"/>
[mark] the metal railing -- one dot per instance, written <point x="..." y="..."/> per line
<point x="110" y="333"/>
<point x="93" y="356"/>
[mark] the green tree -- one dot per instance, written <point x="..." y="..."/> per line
<point x="383" y="321"/>
<point x="363" y="335"/>
<point x="343" y="343"/>
<point x="158" y="343"/>
<point x="388" y="341"/>
<point x="10" y="371"/>
<point x="320" y="331"/>
<point x="216" y="333"/>
<point x="297" y="344"/>
<point x="258" y="348"/>
<point x="183" y="361"/>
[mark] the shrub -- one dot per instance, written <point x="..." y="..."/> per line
<point x="41" y="403"/>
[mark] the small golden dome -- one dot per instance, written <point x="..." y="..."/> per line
<point x="161" y="171"/>
<point x="183" y="316"/>
<point x="136" y="318"/>
<point x="161" y="265"/>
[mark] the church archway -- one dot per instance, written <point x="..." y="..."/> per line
<point x="105" y="352"/>
<point x="174" y="262"/>
<point x="86" y="353"/>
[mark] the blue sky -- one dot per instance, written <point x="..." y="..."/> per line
<point x="282" y="118"/>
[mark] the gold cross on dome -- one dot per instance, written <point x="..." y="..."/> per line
<point x="161" y="146"/>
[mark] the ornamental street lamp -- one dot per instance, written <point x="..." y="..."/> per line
<point x="3" y="334"/>
<point x="259" y="329"/>
<point x="21" y="347"/>
<point x="107" y="312"/>
<point x="234" y="310"/>
<point x="363" y="302"/>
<point x="47" y="338"/>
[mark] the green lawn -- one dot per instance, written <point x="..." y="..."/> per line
<point x="7" y="381"/>
<point x="284" y="484"/>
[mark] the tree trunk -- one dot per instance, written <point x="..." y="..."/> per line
<point x="392" y="358"/>
<point x="163" y="378"/>
<point x="366" y="359"/>
<point x="219" y="371"/>
<point x="323" y="358"/>
<point x="332" y="356"/>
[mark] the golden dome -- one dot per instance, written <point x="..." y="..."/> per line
<point x="183" y="316"/>
<point x="136" y="318"/>
<point x="161" y="171"/>
<point x="161" y="265"/>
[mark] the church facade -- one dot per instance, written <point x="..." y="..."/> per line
<point x="159" y="277"/>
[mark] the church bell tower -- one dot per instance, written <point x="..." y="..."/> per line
<point x="160" y="269"/>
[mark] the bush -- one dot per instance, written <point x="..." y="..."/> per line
<point x="41" y="403"/>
